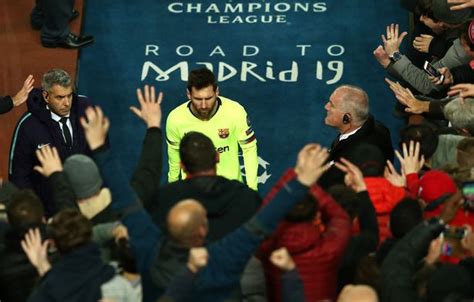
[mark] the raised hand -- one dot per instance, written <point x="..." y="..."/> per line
<point x="461" y="4"/>
<point x="50" y="161"/>
<point x="463" y="90"/>
<point x="468" y="241"/>
<point x="22" y="95"/>
<point x="354" y="177"/>
<point x="392" y="41"/>
<point x="434" y="251"/>
<point x="422" y="43"/>
<point x="395" y="178"/>
<point x="447" y="78"/>
<point x="406" y="98"/>
<point x="96" y="126"/>
<point x="382" y="57"/>
<point x="198" y="257"/>
<point x="36" y="251"/>
<point x="282" y="259"/>
<point x="411" y="160"/>
<point x="150" y="106"/>
<point x="311" y="164"/>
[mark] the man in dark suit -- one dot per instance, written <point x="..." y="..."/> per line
<point x="52" y="17"/>
<point x="348" y="112"/>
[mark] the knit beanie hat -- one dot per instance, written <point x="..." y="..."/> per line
<point x="434" y="184"/>
<point x="83" y="175"/>
<point x="442" y="12"/>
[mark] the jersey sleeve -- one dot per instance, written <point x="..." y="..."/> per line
<point x="172" y="140"/>
<point x="248" y="144"/>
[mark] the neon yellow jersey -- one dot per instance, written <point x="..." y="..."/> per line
<point x="228" y="129"/>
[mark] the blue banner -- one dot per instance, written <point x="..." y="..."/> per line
<point x="280" y="59"/>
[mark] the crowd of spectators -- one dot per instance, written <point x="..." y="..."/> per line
<point x="358" y="221"/>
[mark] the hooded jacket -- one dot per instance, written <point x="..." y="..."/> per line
<point x="228" y="203"/>
<point x="317" y="254"/>
<point x="36" y="129"/>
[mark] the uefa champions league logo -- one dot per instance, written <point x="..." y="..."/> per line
<point x="263" y="175"/>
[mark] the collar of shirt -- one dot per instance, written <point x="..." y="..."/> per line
<point x="346" y="135"/>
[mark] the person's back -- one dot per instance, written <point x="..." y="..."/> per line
<point x="317" y="254"/>
<point x="383" y="194"/>
<point x="229" y="203"/>
<point x="80" y="274"/>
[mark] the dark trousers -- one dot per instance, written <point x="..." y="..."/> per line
<point x="52" y="16"/>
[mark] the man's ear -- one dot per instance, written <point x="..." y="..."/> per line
<point x="188" y="94"/>
<point x="218" y="157"/>
<point x="45" y="96"/>
<point x="217" y="91"/>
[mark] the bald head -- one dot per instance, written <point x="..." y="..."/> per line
<point x="355" y="101"/>
<point x="358" y="293"/>
<point x="187" y="223"/>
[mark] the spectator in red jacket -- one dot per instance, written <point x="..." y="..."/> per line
<point x="382" y="192"/>
<point x="317" y="254"/>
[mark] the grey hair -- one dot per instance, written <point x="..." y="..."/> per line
<point x="356" y="102"/>
<point x="461" y="114"/>
<point x="55" y="76"/>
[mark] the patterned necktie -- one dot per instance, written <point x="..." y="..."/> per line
<point x="66" y="132"/>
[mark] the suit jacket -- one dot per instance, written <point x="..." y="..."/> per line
<point x="372" y="132"/>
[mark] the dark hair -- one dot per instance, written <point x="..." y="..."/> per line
<point x="25" y="209"/>
<point x="423" y="134"/>
<point x="425" y="8"/>
<point x="405" y="216"/>
<point x="346" y="198"/>
<point x="303" y="210"/>
<point x="70" y="229"/>
<point x="369" y="158"/>
<point x="201" y="78"/>
<point x="197" y="152"/>
<point x="125" y="256"/>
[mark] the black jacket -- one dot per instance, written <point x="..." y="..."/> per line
<point x="372" y="132"/>
<point x="362" y="244"/>
<point x="77" y="276"/>
<point x="229" y="203"/>
<point x="35" y="129"/>
<point x="404" y="260"/>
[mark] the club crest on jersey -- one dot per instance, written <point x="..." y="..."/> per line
<point x="223" y="133"/>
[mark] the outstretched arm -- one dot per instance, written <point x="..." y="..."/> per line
<point x="144" y="234"/>
<point x="146" y="178"/>
<point x="52" y="168"/>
